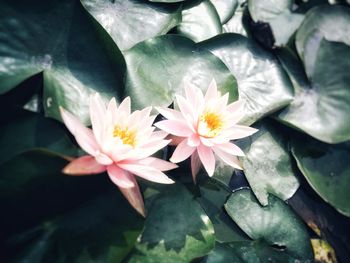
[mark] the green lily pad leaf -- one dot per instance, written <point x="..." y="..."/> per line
<point x="200" y="22"/>
<point x="247" y="251"/>
<point x="321" y="108"/>
<point x="51" y="217"/>
<point x="327" y="170"/>
<point x="59" y="39"/>
<point x="263" y="85"/>
<point x="268" y="164"/>
<point x="275" y="223"/>
<point x="166" y="1"/>
<point x="176" y="229"/>
<point x="159" y="68"/>
<point x="265" y="11"/>
<point x="128" y="22"/>
<point x="213" y="196"/>
<point x="322" y="22"/>
<point x="225" y="9"/>
<point x="290" y="22"/>
<point x="27" y="131"/>
<point x="236" y="23"/>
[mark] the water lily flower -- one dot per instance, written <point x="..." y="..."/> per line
<point x="204" y="127"/>
<point x="120" y="143"/>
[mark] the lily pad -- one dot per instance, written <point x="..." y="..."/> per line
<point x="275" y="223"/>
<point x="176" y="229"/>
<point x="268" y="164"/>
<point x="47" y="221"/>
<point x="27" y="131"/>
<point x="321" y="107"/>
<point x="159" y="68"/>
<point x="322" y="22"/>
<point x="129" y="22"/>
<point x="267" y="10"/>
<point x="327" y="170"/>
<point x="236" y="23"/>
<point x="213" y="196"/>
<point x="262" y="83"/>
<point x="200" y="21"/>
<point x="225" y="9"/>
<point x="247" y="251"/>
<point x="59" y="39"/>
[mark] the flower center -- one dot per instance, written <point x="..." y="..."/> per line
<point x="209" y="124"/>
<point x="127" y="136"/>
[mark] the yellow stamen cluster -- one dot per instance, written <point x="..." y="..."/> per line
<point x="127" y="136"/>
<point x="209" y="124"/>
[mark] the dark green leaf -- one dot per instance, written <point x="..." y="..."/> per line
<point x="322" y="107"/>
<point x="59" y="39"/>
<point x="51" y="217"/>
<point x="213" y="197"/>
<point x="275" y="223"/>
<point x="27" y="131"/>
<point x="322" y="22"/>
<point x="262" y="82"/>
<point x="267" y="164"/>
<point x="247" y="252"/>
<point x="176" y="229"/>
<point x="267" y="10"/>
<point x="200" y="22"/>
<point x="225" y="9"/>
<point x="160" y="67"/>
<point x="327" y="169"/>
<point x="129" y="22"/>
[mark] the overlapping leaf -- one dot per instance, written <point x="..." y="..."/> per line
<point x="263" y="85"/>
<point x="129" y="22"/>
<point x="176" y="229"/>
<point x="158" y="68"/>
<point x="57" y="38"/>
<point x="276" y="224"/>
<point x="268" y="164"/>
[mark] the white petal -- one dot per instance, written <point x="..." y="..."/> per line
<point x="230" y="148"/>
<point x="207" y="158"/>
<point x="97" y="116"/>
<point x="148" y="173"/>
<point x="120" y="177"/>
<point x="182" y="152"/>
<point x="228" y="159"/>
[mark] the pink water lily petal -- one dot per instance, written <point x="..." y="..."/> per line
<point x="188" y="112"/>
<point x="238" y="132"/>
<point x="134" y="197"/>
<point x="124" y="107"/>
<point x="193" y="140"/>
<point x="191" y="94"/>
<point x="82" y="134"/>
<point x="146" y="172"/>
<point x="157" y="163"/>
<point x="86" y="140"/>
<point x="174" y="127"/>
<point x="206" y="141"/>
<point x="212" y="92"/>
<point x="148" y="150"/>
<point x="97" y="116"/>
<point x="170" y="114"/>
<point x="182" y="152"/>
<point x="230" y="148"/>
<point x="195" y="165"/>
<point x="228" y="159"/>
<point x="207" y="158"/>
<point x="175" y="140"/>
<point x="103" y="159"/>
<point x="84" y="165"/>
<point x="120" y="177"/>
